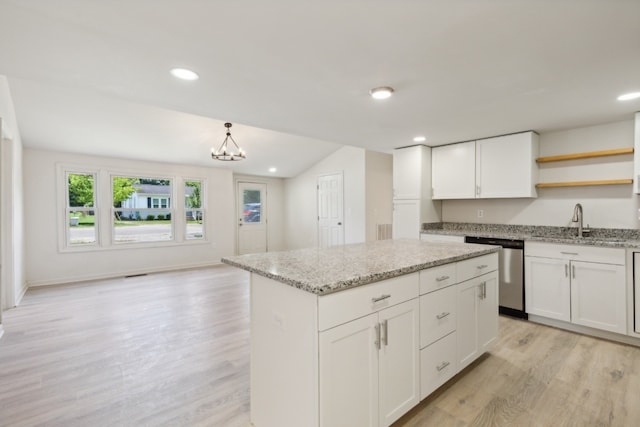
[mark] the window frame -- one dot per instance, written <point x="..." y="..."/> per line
<point x="104" y="209"/>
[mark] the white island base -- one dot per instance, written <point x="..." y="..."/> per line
<point x="364" y="356"/>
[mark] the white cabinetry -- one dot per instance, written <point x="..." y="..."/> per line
<point x="477" y="317"/>
<point x="584" y="285"/>
<point x="454" y="171"/>
<point x="369" y="367"/>
<point x="412" y="202"/>
<point x="498" y="167"/>
<point x="458" y="317"/>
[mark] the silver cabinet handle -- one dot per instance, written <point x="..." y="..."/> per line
<point x="477" y="190"/>
<point x="573" y="271"/>
<point x="484" y="290"/>
<point x="443" y="365"/>
<point x="380" y="298"/>
<point x="566" y="270"/>
<point x="385" y="333"/>
<point x="569" y="253"/>
<point x="377" y="342"/>
<point x="442" y="315"/>
<point x="480" y="267"/>
<point x="441" y="278"/>
<point x="480" y="291"/>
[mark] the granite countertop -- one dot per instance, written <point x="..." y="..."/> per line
<point x="604" y="237"/>
<point x="323" y="271"/>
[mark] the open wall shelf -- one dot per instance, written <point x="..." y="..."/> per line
<point x="584" y="183"/>
<point x="586" y="155"/>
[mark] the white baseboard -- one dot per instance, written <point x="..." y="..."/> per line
<point x="23" y="290"/>
<point x="1" y="330"/>
<point x="158" y="269"/>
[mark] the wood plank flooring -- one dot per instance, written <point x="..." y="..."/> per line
<point x="172" y="349"/>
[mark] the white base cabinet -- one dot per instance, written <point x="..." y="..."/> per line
<point x="458" y="317"/>
<point x="369" y="368"/>
<point x="584" y="285"/>
<point x="367" y="355"/>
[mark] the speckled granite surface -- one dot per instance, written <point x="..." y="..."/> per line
<point x="323" y="271"/>
<point x="605" y="237"/>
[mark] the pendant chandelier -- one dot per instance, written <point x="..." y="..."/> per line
<point x="226" y="153"/>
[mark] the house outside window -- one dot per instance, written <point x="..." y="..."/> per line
<point x="194" y="212"/>
<point x="142" y="209"/>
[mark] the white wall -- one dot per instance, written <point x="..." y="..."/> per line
<point x="379" y="191"/>
<point x="13" y="226"/>
<point x="47" y="265"/>
<point x="275" y="209"/>
<point x="604" y="206"/>
<point x="301" y="204"/>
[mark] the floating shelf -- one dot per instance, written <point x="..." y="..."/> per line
<point x="586" y="155"/>
<point x="584" y="183"/>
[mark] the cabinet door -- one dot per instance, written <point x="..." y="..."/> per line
<point x="406" y="219"/>
<point x="437" y="364"/>
<point x="453" y="171"/>
<point x="399" y="361"/>
<point x="548" y="288"/>
<point x="407" y="173"/>
<point x="349" y="374"/>
<point x="467" y="330"/>
<point x="598" y="297"/>
<point x="488" y="313"/>
<point x="506" y="167"/>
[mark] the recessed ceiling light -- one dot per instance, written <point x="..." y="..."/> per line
<point x="273" y="170"/>
<point x="420" y="138"/>
<point x="184" y="74"/>
<point x="629" y="96"/>
<point x="382" y="92"/>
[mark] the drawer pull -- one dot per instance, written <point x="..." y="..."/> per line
<point x="443" y="365"/>
<point x="569" y="253"/>
<point x="442" y="315"/>
<point x="441" y="278"/>
<point x="380" y="298"/>
<point x="480" y="267"/>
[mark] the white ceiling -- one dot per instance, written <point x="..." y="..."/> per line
<point x="293" y="75"/>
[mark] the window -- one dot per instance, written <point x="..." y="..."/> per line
<point x="141" y="209"/>
<point x="252" y="209"/>
<point x="102" y="209"/>
<point x="194" y="213"/>
<point x="81" y="209"/>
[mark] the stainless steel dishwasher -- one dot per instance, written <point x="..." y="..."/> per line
<point x="511" y="298"/>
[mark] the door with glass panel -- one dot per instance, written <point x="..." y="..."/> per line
<point x="252" y="217"/>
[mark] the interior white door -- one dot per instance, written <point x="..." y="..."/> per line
<point x="330" y="210"/>
<point x="252" y="217"/>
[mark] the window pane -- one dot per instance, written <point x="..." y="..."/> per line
<point x="142" y="225"/>
<point x="192" y="192"/>
<point x="81" y="227"/>
<point x="142" y="211"/>
<point x="80" y="190"/>
<point x="195" y="224"/>
<point x="252" y="205"/>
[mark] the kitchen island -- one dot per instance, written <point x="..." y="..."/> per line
<point x="359" y="334"/>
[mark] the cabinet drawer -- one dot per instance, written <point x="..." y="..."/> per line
<point x="436" y="278"/>
<point x="437" y="364"/>
<point x="576" y="252"/>
<point x="343" y="306"/>
<point x="437" y="315"/>
<point x="477" y="266"/>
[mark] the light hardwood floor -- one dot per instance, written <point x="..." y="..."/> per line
<point x="172" y="349"/>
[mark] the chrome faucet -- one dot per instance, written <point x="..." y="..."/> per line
<point x="577" y="217"/>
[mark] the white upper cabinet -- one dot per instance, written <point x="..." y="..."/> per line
<point x="499" y="167"/>
<point x="506" y="166"/>
<point x="453" y="168"/>
<point x="412" y="172"/>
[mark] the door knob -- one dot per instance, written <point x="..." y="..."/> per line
<point x="339" y="223"/>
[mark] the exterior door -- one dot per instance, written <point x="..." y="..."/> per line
<point x="252" y="218"/>
<point x="330" y="210"/>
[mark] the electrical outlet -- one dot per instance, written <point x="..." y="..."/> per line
<point x="480" y="213"/>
